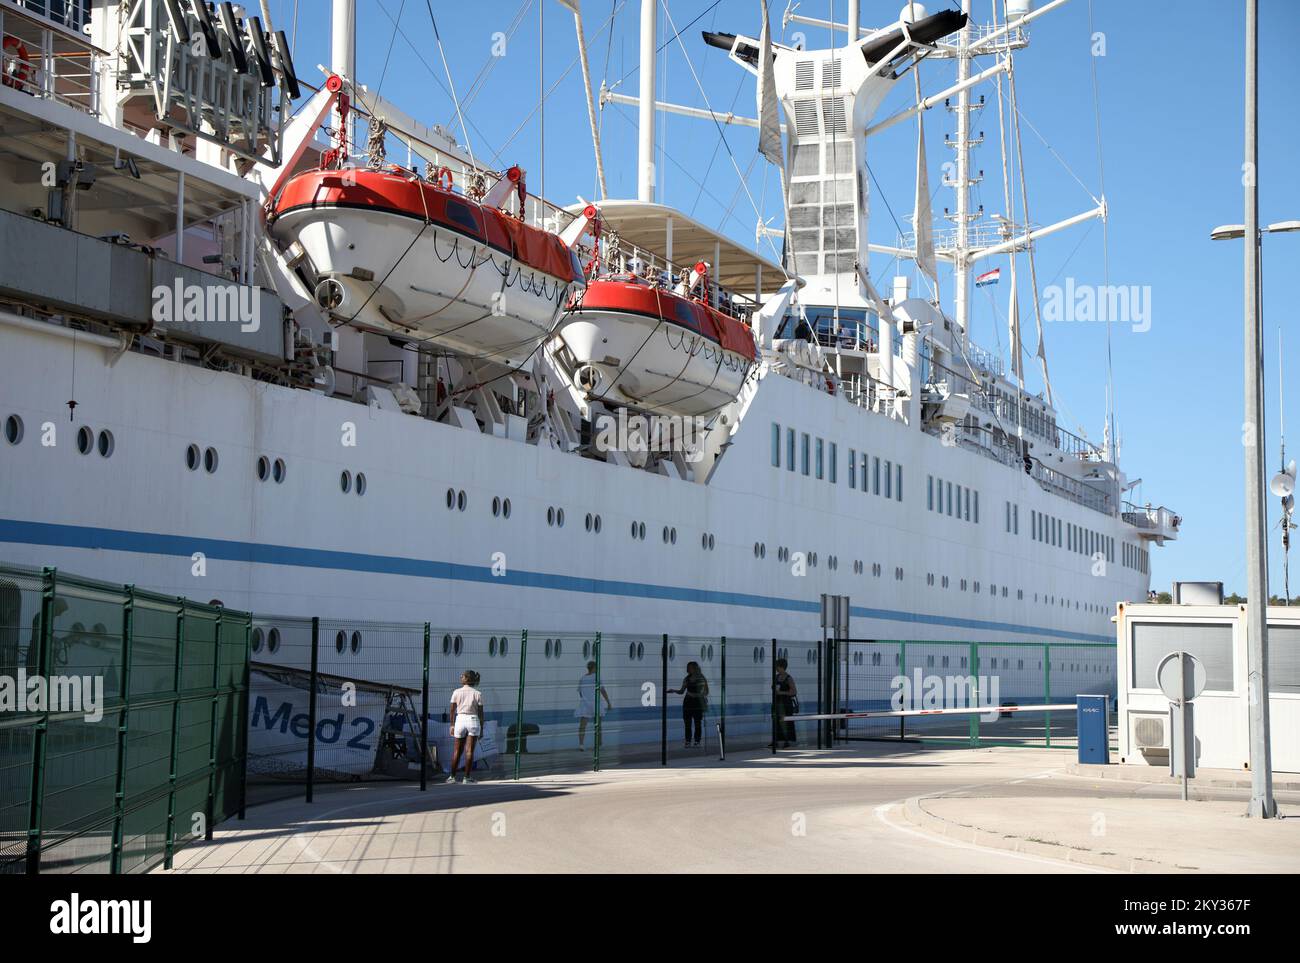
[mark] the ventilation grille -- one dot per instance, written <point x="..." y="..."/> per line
<point x="835" y="116"/>
<point x="803" y="75"/>
<point x="831" y="73"/>
<point x="805" y="118"/>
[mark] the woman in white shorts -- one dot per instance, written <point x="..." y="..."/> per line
<point x="466" y="723"/>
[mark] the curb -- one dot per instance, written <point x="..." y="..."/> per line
<point x="1157" y="776"/>
<point x="915" y="813"/>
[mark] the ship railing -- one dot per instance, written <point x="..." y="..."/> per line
<point x="46" y="56"/>
<point x="1148" y="518"/>
<point x="617" y="257"/>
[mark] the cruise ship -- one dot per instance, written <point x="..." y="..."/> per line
<point x="268" y="340"/>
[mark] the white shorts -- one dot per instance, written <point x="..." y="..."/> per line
<point x="467" y="726"/>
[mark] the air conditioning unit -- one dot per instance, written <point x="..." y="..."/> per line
<point x="1149" y="731"/>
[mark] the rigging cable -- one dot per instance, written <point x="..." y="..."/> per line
<point x="451" y="84"/>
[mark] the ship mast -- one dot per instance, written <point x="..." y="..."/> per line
<point x="343" y="57"/>
<point x="645" y="155"/>
<point x="961" y="244"/>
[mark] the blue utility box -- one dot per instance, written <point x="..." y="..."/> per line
<point x="1094" y="729"/>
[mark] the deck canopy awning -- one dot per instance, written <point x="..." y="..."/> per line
<point x="655" y="228"/>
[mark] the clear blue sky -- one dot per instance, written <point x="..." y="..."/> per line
<point x="1171" y="102"/>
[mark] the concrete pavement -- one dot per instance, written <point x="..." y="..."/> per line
<point x="876" y="808"/>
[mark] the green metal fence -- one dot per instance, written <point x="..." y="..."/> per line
<point x="879" y="675"/>
<point x="129" y="733"/>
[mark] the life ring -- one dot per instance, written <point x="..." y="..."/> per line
<point x="442" y="178"/>
<point x="17" y="72"/>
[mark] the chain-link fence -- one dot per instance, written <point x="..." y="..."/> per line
<point x="128" y="736"/>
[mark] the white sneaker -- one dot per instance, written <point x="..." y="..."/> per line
<point x="467" y="780"/>
<point x="450" y="779"/>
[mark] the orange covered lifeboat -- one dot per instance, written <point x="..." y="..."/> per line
<point x="388" y="250"/>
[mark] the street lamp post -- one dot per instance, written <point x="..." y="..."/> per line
<point x="1262" y="804"/>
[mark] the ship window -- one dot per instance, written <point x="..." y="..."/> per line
<point x="821" y="459"/>
<point x="496" y="506"/>
<point x="776" y="445"/>
<point x="550" y="516"/>
<point x="210" y="460"/>
<point x="461" y="500"/>
<point x="106" y="444"/>
<point x="492" y="646"/>
<point x="446" y="644"/>
<point x="889" y="484"/>
<point x="789" y="449"/>
<point x="340" y="641"/>
<point x="451" y="498"/>
<point x="345" y="481"/>
<point x="361" y="483"/>
<point x="898" y="482"/>
<point x="929" y="494"/>
<point x="278" y="471"/>
<point x="834" y="469"/>
<point x="257" y="640"/>
<point x="263" y="468"/>
<point x="13" y="429"/>
<point x="805" y="452"/>
<point x="875" y="471"/>
<point x="505" y="508"/>
<point x="853" y="468"/>
<point x="949" y="497"/>
<point x="85" y="440"/>
<point x="273" y="641"/>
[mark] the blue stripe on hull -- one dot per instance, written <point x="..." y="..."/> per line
<point x="151" y="543"/>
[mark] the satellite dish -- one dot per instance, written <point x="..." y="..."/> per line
<point x="1283" y="483"/>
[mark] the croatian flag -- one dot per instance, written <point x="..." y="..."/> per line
<point x="988" y="277"/>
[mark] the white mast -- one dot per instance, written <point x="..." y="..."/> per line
<point x="343" y="52"/>
<point x="645" y="155"/>
<point x="961" y="246"/>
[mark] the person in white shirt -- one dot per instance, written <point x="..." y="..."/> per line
<point x="466" y="723"/>
<point x="588" y="704"/>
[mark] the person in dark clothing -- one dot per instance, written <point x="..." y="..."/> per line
<point x="695" y="688"/>
<point x="786" y="703"/>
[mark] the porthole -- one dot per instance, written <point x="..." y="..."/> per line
<point x="258" y="640"/>
<point x="461" y="500"/>
<point x="505" y="508"/>
<point x="586" y="649"/>
<point x="492" y="645"/>
<point x="756" y="550"/>
<point x="550" y="517"/>
<point x="496" y="509"/>
<point x="503" y="646"/>
<point x="597" y="524"/>
<point x="273" y="641"/>
<point x="210" y="459"/>
<point x="710" y="653"/>
<point x="672" y="651"/>
<point x="340" y="641"/>
<point x="711" y="542"/>
<point x="361" y="483"/>
<point x="446" y="644"/>
<point x="559" y="517"/>
<point x="85" y="440"/>
<point x="548" y="648"/>
<point x="106" y="444"/>
<point x="356" y="642"/>
<point x="640" y="650"/>
<point x="665" y="534"/>
<point x="634" y="529"/>
<point x="631" y="650"/>
<point x="702" y="651"/>
<point x="456" y="645"/>
<point x="13" y="429"/>
<point x="590" y="521"/>
<point x="192" y="457"/>
<point x="704" y="541"/>
<point x="451" y="498"/>
<point x="345" y="481"/>
<point x="755" y="655"/>
<point x="559" y="647"/>
<point x="672" y="535"/>
<point x="640" y="532"/>
<point x="263" y="468"/>
<point x="278" y="471"/>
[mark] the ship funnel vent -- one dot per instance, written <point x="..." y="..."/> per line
<point x="805" y="118"/>
<point x="831" y="73"/>
<point x="803" y="75"/>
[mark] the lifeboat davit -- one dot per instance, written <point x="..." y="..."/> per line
<point x="391" y="251"/>
<point x="634" y="342"/>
